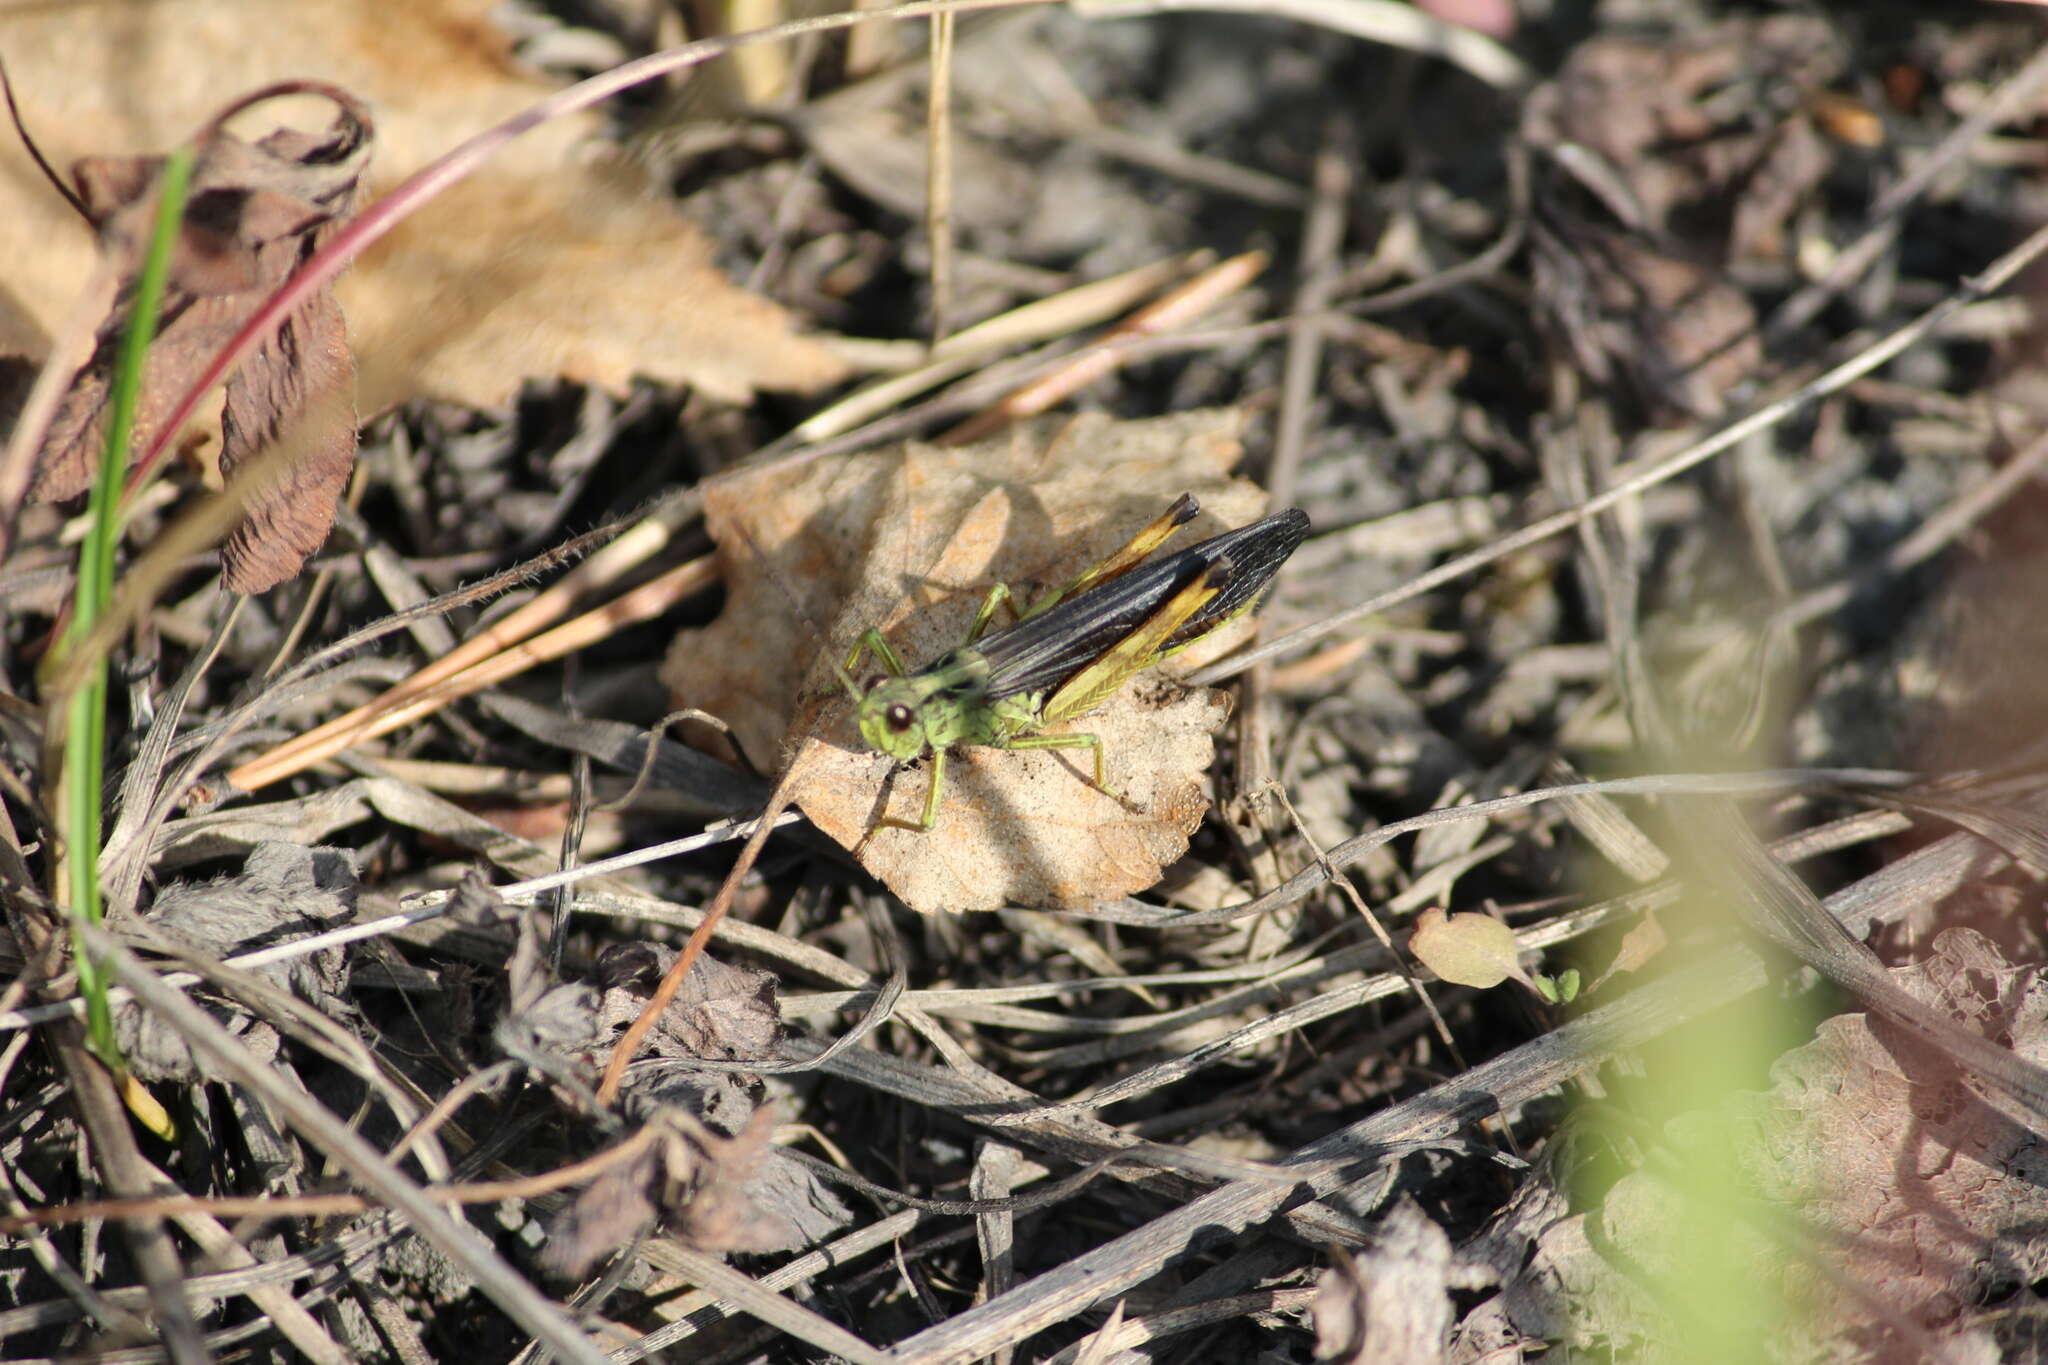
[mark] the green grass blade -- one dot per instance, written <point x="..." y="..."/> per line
<point x="85" y="709"/>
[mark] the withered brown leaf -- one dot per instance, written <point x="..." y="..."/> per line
<point x="1681" y="336"/>
<point x="709" y="1173"/>
<point x="256" y="212"/>
<point x="910" y="540"/>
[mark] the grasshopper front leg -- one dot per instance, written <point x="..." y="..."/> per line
<point x="871" y="642"/>
<point x="997" y="596"/>
<point x="933" y="794"/>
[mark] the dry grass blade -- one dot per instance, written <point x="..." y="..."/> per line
<point x="1329" y="1164"/>
<point x="1373" y="20"/>
<point x="485" y="661"/>
<point x="1176" y="310"/>
<point x="1044" y="319"/>
<point x="1171" y="1070"/>
<point x="519" y="1299"/>
<point x="939" y="173"/>
<point x="1132" y="1333"/>
<point x="752" y="1298"/>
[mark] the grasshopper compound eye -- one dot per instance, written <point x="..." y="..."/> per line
<point x="898" y="717"/>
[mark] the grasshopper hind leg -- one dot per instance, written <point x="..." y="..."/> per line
<point x="1069" y="741"/>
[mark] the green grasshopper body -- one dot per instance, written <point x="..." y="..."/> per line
<point x="1069" y="653"/>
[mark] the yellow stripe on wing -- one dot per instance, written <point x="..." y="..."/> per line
<point x="1137" y="651"/>
<point x="1135" y="551"/>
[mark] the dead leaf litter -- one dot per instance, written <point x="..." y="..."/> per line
<point x="1201" y="1071"/>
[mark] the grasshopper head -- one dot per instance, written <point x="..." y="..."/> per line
<point x="892" y="718"/>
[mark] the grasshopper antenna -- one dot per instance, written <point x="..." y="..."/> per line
<point x="810" y="624"/>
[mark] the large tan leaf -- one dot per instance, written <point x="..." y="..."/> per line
<point x="557" y="259"/>
<point x="910" y="540"/>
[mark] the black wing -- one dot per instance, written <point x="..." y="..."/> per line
<point x="1043" y="652"/>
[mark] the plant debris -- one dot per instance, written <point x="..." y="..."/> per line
<point x="255" y="213"/>
<point x="284" y="891"/>
<point x="554" y="261"/>
<point x="1189" y="1086"/>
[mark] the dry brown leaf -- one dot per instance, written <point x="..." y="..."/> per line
<point x="723" y="1012"/>
<point x="284" y="891"/>
<point x="608" y="1213"/>
<point x="1639" y="947"/>
<point x="711" y="1174"/>
<point x="557" y="259"/>
<point x="1664" y="136"/>
<point x="910" y="541"/>
<point x="702" y="1184"/>
<point x="256" y="211"/>
<point x="1936" y="1198"/>
<point x="1391" y="1304"/>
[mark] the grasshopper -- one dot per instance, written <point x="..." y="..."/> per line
<point x="1068" y="653"/>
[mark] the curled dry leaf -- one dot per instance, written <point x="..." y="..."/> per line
<point x="910" y="541"/>
<point x="545" y="1024"/>
<point x="283" y="892"/>
<point x="1392" y="1303"/>
<point x="701" y="1184"/>
<point x="1681" y="336"/>
<point x="1660" y="117"/>
<point x="721" y="1012"/>
<point x="710" y="1175"/>
<point x="607" y="1214"/>
<point x="1645" y="129"/>
<point x="255" y="213"/>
